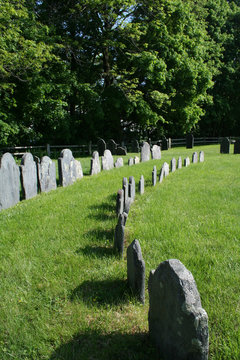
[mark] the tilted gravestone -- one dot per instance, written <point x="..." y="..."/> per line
<point x="154" y="176"/>
<point x="186" y="161"/>
<point x="135" y="146"/>
<point x="121" y="151"/>
<point x="69" y="168"/>
<point x="112" y="146"/>
<point x="237" y="147"/>
<point x="101" y="147"/>
<point x="9" y="182"/>
<point x="195" y="157"/>
<point x="118" y="163"/>
<point x="164" y="143"/>
<point x="28" y="171"/>
<point x="46" y="174"/>
<point x="119" y="234"/>
<point x="141" y="185"/>
<point x="225" y="146"/>
<point x="145" y="152"/>
<point x="156" y="152"/>
<point x="120" y="202"/>
<point x="132" y="188"/>
<point x="189" y="141"/>
<point x="179" y="163"/>
<point x="130" y="161"/>
<point x="173" y="165"/>
<point x="201" y="156"/>
<point x="107" y="160"/>
<point x="136" y="160"/>
<point x="178" y="324"/>
<point x="136" y="270"/>
<point x="95" y="164"/>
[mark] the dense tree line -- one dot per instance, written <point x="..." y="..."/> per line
<point x="75" y="70"/>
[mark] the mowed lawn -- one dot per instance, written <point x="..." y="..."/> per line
<point x="63" y="292"/>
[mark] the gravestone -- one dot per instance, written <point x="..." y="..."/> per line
<point x="125" y="189"/>
<point x="95" y="164"/>
<point x="136" y="270"/>
<point x="178" y="324"/>
<point x="130" y="161"/>
<point x="9" y="182"/>
<point x="132" y="188"/>
<point x="237" y="147"/>
<point x="173" y="165"/>
<point x="69" y="169"/>
<point x="120" y="202"/>
<point x="195" y="157"/>
<point x="156" y="152"/>
<point x="179" y="164"/>
<point x="189" y="141"/>
<point x="118" y="163"/>
<point x="107" y="160"/>
<point x="186" y="161"/>
<point x="112" y="146"/>
<point x="46" y="174"/>
<point x="119" y="234"/>
<point x="135" y="146"/>
<point x="154" y="176"/>
<point x="101" y="145"/>
<point x="136" y="160"/>
<point x="225" y="146"/>
<point x="121" y="151"/>
<point x="169" y="143"/>
<point x="201" y="156"/>
<point x="28" y="171"/>
<point x="164" y="171"/>
<point x="145" y="152"/>
<point x="164" y="143"/>
<point x="141" y="185"/>
<point x="166" y="168"/>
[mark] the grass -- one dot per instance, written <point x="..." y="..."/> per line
<point x="63" y="289"/>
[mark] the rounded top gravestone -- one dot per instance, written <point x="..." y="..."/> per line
<point x="9" y="182"/>
<point x="145" y="152"/>
<point x="28" y="176"/>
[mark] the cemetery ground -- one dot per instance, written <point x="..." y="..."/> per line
<point x="63" y="290"/>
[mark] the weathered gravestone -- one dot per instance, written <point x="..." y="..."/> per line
<point x="69" y="168"/>
<point x="119" y="234"/>
<point x="130" y="161"/>
<point x="95" y="164"/>
<point x="141" y="185"/>
<point x="186" y="161"/>
<point x="136" y="270"/>
<point x="178" y="324"/>
<point x="121" y="151"/>
<point x="164" y="172"/>
<point x="225" y="146"/>
<point x="107" y="160"/>
<point x="9" y="182"/>
<point x="164" y="143"/>
<point x="154" y="176"/>
<point x="179" y="163"/>
<point x="101" y="146"/>
<point x="136" y="160"/>
<point x="237" y="147"/>
<point x="173" y="165"/>
<point x="46" y="174"/>
<point x="195" y="157"/>
<point x="189" y="141"/>
<point x="120" y="202"/>
<point x="118" y="163"/>
<point x="132" y="188"/>
<point x="201" y="156"/>
<point x="112" y="146"/>
<point x="156" y="152"/>
<point x="125" y="189"/>
<point x="28" y="170"/>
<point x="135" y="146"/>
<point x="145" y="152"/>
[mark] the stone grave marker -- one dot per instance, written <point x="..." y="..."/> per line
<point x="179" y="164"/>
<point x="136" y="270"/>
<point x="164" y="171"/>
<point x="69" y="168"/>
<point x="130" y="161"/>
<point x="136" y="160"/>
<point x="225" y="146"/>
<point x="112" y="146"/>
<point x="121" y="151"/>
<point x="178" y="324"/>
<point x="173" y="165"/>
<point x="125" y="189"/>
<point x="195" y="157"/>
<point x="46" y="174"/>
<point x="237" y="147"/>
<point x="154" y="176"/>
<point x="156" y="152"/>
<point x="118" y="163"/>
<point x="28" y="171"/>
<point x="95" y="164"/>
<point x="101" y="147"/>
<point x="107" y="160"/>
<point x="189" y="141"/>
<point x="186" y="161"/>
<point x="119" y="234"/>
<point x="164" y="143"/>
<point x="145" y="152"/>
<point x="9" y="182"/>
<point x="201" y="156"/>
<point x="120" y="202"/>
<point x="141" y="185"/>
<point x="132" y="188"/>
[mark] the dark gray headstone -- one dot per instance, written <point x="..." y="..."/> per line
<point x="28" y="170"/>
<point x="136" y="160"/>
<point x="154" y="176"/>
<point x="69" y="168"/>
<point x="141" y="185"/>
<point x="119" y="234"/>
<point x="136" y="270"/>
<point x="164" y="143"/>
<point x="201" y="156"/>
<point x="237" y="147"/>
<point x="178" y="324"/>
<point x="120" y="202"/>
<point x="47" y="174"/>
<point x="121" y="151"/>
<point x="95" y="164"/>
<point x="156" y="152"/>
<point x="135" y="146"/>
<point x="186" y="161"/>
<point x="225" y="146"/>
<point x="130" y="161"/>
<point x="189" y="141"/>
<point x="112" y="146"/>
<point x="127" y="206"/>
<point x="173" y="165"/>
<point x="132" y="188"/>
<point x="107" y="160"/>
<point x="195" y="157"/>
<point x="101" y="147"/>
<point x="118" y="163"/>
<point x="145" y="152"/>
<point x="179" y="163"/>
<point x="9" y="182"/>
<point x="125" y="189"/>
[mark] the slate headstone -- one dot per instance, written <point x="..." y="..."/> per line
<point x="120" y="202"/>
<point x="95" y="164"/>
<point x="130" y="161"/>
<point x="201" y="156"/>
<point x="225" y="146"/>
<point x="178" y="324"/>
<point x="156" y="152"/>
<point x="141" y="185"/>
<point x="145" y="152"/>
<point x="237" y="147"/>
<point x="132" y="188"/>
<point x="186" y="161"/>
<point x="119" y="234"/>
<point x="173" y="165"/>
<point x="69" y="168"/>
<point x="121" y="151"/>
<point x="112" y="146"/>
<point x="195" y="157"/>
<point x="189" y="141"/>
<point x="107" y="160"/>
<point x="9" y="182"/>
<point x="154" y="176"/>
<point x="46" y="174"/>
<point x="101" y="147"/>
<point x="136" y="160"/>
<point x="136" y="270"/>
<point x="28" y="170"/>
<point x="118" y="163"/>
<point x="179" y="163"/>
<point x="125" y="189"/>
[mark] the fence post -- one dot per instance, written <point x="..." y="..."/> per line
<point x="49" y="150"/>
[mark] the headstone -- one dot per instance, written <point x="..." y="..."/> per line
<point x="118" y="163"/>
<point x="178" y="324"/>
<point x="132" y="188"/>
<point x="121" y="151"/>
<point x="107" y="160"/>
<point x="141" y="185"/>
<point x="136" y="270"/>
<point x="189" y="141"/>
<point x="119" y="234"/>
<point x="135" y="146"/>
<point x="95" y="164"/>
<point x="136" y="160"/>
<point x="125" y="189"/>
<point x="195" y="157"/>
<point x="164" y="143"/>
<point x="120" y="202"/>
<point x="156" y="152"/>
<point x="145" y="152"/>
<point x="130" y="161"/>
<point x="112" y="146"/>
<point x="225" y="146"/>
<point x="47" y="174"/>
<point x="186" y="161"/>
<point x="201" y="156"/>
<point x="154" y="176"/>
<point x="9" y="182"/>
<point x="169" y="143"/>
<point x="69" y="168"/>
<point x="237" y="147"/>
<point x="127" y="206"/>
<point x="173" y="165"/>
<point x="101" y="146"/>
<point x="166" y="168"/>
<point x="164" y="171"/>
<point x="28" y="170"/>
<point x="179" y="163"/>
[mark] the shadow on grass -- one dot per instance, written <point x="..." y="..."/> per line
<point x="93" y="345"/>
<point x="96" y="251"/>
<point x="105" y="210"/>
<point x="101" y="234"/>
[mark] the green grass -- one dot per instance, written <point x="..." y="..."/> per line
<point x="63" y="290"/>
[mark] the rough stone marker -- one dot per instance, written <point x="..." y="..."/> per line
<point x="178" y="324"/>
<point x="47" y="174"/>
<point x="28" y="169"/>
<point x="136" y="270"/>
<point x="69" y="169"/>
<point x="120" y="202"/>
<point x="119" y="234"/>
<point x="9" y="182"/>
